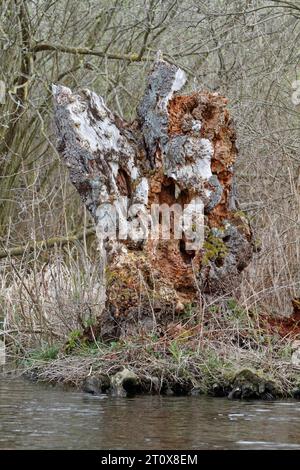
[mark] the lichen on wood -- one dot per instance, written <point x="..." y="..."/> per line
<point x="181" y="147"/>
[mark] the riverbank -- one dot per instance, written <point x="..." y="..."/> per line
<point x="235" y="354"/>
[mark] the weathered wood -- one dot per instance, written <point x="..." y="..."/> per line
<point x="180" y="149"/>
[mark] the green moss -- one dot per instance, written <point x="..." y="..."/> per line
<point x="110" y="275"/>
<point x="241" y="215"/>
<point x="258" y="378"/>
<point x="214" y="248"/>
<point x="118" y="278"/>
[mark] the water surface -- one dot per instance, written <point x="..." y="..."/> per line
<point x="35" y="416"/>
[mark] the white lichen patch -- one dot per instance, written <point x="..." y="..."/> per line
<point x="197" y="166"/>
<point x="96" y="132"/>
<point x="203" y="161"/>
<point x="196" y="126"/>
<point x="178" y="83"/>
<point x="97" y="104"/>
<point x="100" y="135"/>
<point x="114" y="168"/>
<point x="132" y="169"/>
<point x="92" y="122"/>
<point x="141" y="192"/>
<point x="207" y="192"/>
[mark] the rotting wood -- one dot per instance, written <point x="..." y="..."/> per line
<point x="181" y="148"/>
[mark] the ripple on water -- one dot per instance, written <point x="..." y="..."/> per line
<point x="268" y="445"/>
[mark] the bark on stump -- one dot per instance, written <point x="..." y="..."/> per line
<point x="179" y="148"/>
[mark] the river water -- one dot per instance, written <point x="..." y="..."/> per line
<point x="36" y="416"/>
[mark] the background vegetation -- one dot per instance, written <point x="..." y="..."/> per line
<point x="247" y="50"/>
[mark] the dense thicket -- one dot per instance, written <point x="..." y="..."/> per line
<point x="246" y="50"/>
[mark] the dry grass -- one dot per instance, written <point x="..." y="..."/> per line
<point x="187" y="356"/>
<point x="44" y="302"/>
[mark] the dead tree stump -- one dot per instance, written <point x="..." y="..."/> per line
<point x="181" y="148"/>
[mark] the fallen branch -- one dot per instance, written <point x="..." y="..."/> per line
<point x="45" y="244"/>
